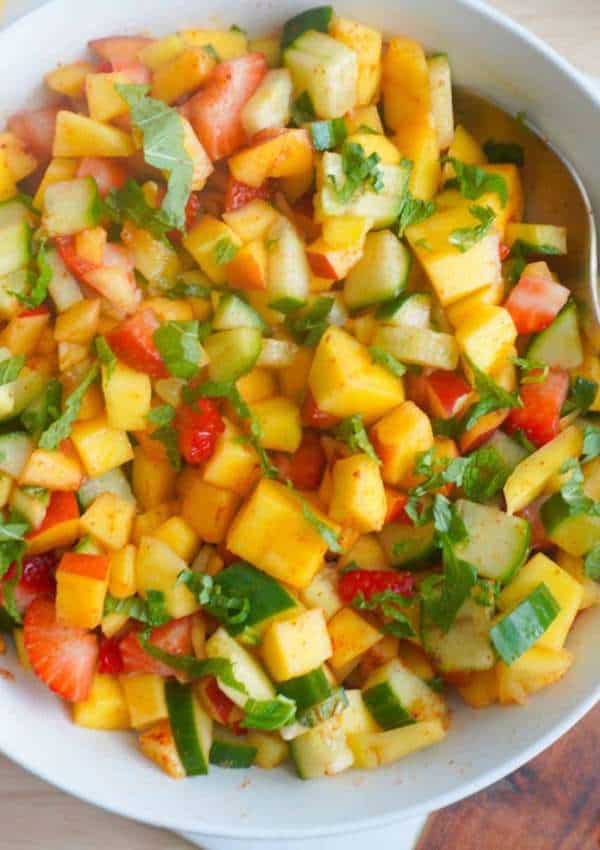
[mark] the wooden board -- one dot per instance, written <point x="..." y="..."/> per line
<point x="552" y="803"/>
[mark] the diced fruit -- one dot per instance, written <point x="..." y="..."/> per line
<point x="81" y="585"/>
<point x="119" y="49"/>
<point x="198" y="430"/>
<point x="487" y="337"/>
<point x="158" y="744"/>
<point x="405" y="83"/>
<point x="418" y="141"/>
<point x="182" y="75"/>
<point x="366" y="43"/>
<point x="280" y="423"/>
<point x="358" y="496"/>
<point x="209" y="510"/>
<point x="133" y="342"/>
<point x="535" y="302"/>
<point x="537" y="238"/>
<point x="36" y="129"/>
<point x="60" y="526"/>
<point x="372" y="581"/>
<point x="145" y="697"/>
<point x="52" y="470"/>
<point x="270" y="104"/>
<point x="174" y="637"/>
<point x="375" y="749"/>
<point x="327" y="70"/>
<point x="63" y="657"/>
<point x="104" y="708"/>
<point x="419" y="346"/>
<point x="440" y="86"/>
<point x="465" y="648"/>
<point x="228" y="44"/>
<point x="539" y="418"/>
<point x="100" y="446"/>
<point x="127" y="395"/>
<point x="288" y="274"/>
<point x="322" y="751"/>
<point x="559" y="344"/>
<point x="77" y="135"/>
<point x="396" y="697"/>
<point x="296" y="645"/>
<point x="575" y="534"/>
<point x="157" y="567"/>
<point x="351" y="636"/>
<point x="399" y="437"/>
<point x="272" y="532"/>
<point x="233" y="464"/>
<point x="109" y="520"/>
<point x="203" y="242"/>
<point x="246" y="669"/>
<point x="535" y="669"/>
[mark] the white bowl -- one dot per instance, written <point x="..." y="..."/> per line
<point x="503" y="61"/>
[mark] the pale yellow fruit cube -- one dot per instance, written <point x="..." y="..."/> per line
<point x="296" y="646"/>
<point x="105" y="707"/>
<point x="145" y="698"/>
<point x="358" y="498"/>
<point x="109" y="519"/>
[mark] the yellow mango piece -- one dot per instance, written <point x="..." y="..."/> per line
<point x="127" y="394"/>
<point x="161" y="51"/>
<point x="182" y="75"/>
<point x="280" y="423"/>
<point x="152" y="257"/>
<point x="23" y="333"/>
<point x="487" y="337"/>
<point x="179" y="536"/>
<point x="535" y="669"/>
<point x="158" y="744"/>
<point x="252" y="221"/>
<point x="79" y="322"/>
<point x="145" y="524"/>
<point x="399" y="437"/>
<point x="157" y="567"/>
<point x="233" y="464"/>
<point x="100" y="446"/>
<point x="203" y="242"/>
<point x="121" y="572"/>
<point x="109" y="519"/>
<point x="366" y="43"/>
<point x="77" y="135"/>
<point x="293" y="379"/>
<point x="145" y="698"/>
<point x="344" y="381"/>
<point x="80" y="593"/>
<point x="272" y="532"/>
<point x="351" y="636"/>
<point x="104" y="101"/>
<point x="69" y="79"/>
<point x="358" y="498"/>
<point x="575" y="567"/>
<point x="361" y="117"/>
<point x="373" y="750"/>
<point x="481" y="689"/>
<point x="256" y="385"/>
<point x="105" y="707"/>
<point x="368" y="552"/>
<point x="53" y="470"/>
<point x="153" y="480"/>
<point x="493" y="295"/>
<point x="405" y="83"/>
<point x="418" y="142"/>
<point x="58" y="170"/>
<point x="296" y="646"/>
<point x="465" y="148"/>
<point x="8" y="185"/>
<point x="209" y="510"/>
<point x="287" y="155"/>
<point x="228" y="44"/>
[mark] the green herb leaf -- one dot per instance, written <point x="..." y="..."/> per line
<point x="329" y="535"/>
<point x="413" y="211"/>
<point x="522" y="248"/>
<point x="388" y="361"/>
<point x="268" y="714"/>
<point x="359" y="170"/>
<point x="504" y="152"/>
<point x="473" y="181"/>
<point x="591" y="443"/>
<point x="163" y="135"/>
<point x="151" y="611"/>
<point x="308" y="325"/>
<point x="61" y="428"/>
<point x="326" y="135"/>
<point x="582" y="395"/>
<point x="464" y="238"/>
<point x="197" y="668"/>
<point x="352" y="432"/>
<point x="443" y="596"/>
<point x="168" y="436"/>
<point x="224" y="251"/>
<point x="36" y="418"/>
<point x="230" y="610"/>
<point x="38" y="283"/>
<point x="303" y="110"/>
<point x="485" y="474"/>
<point x="12" y="549"/>
<point x="183" y="289"/>
<point x="161" y="415"/>
<point x="591" y="564"/>
<point x="491" y="397"/>
<point x="389" y="604"/>
<point x="10" y="368"/>
<point x="513" y="269"/>
<point x="130" y="203"/>
<point x="528" y="367"/>
<point x="178" y="344"/>
<point x="105" y="355"/>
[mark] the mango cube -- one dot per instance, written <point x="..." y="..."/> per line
<point x="344" y="381"/>
<point x="280" y="423"/>
<point x="358" y="498"/>
<point x="405" y="83"/>
<point x="158" y="744"/>
<point x="69" y="79"/>
<point x="203" y="242"/>
<point x="153" y="480"/>
<point x="53" y="470"/>
<point x="145" y="698"/>
<point x="399" y="437"/>
<point x="487" y="337"/>
<point x="127" y="394"/>
<point x="81" y="585"/>
<point x="77" y="135"/>
<point x="179" y="536"/>
<point x="535" y="669"/>
<point x="209" y="510"/>
<point x="109" y="519"/>
<point x="79" y="322"/>
<point x="272" y="532"/>
<point x="233" y="465"/>
<point x="104" y="101"/>
<point x="105" y="707"/>
<point x="157" y="567"/>
<point x="182" y="75"/>
<point x="121" y="576"/>
<point x="252" y="221"/>
<point x="296" y="646"/>
<point x="58" y="169"/>
<point x="366" y="43"/>
<point x="256" y="385"/>
<point x="100" y="446"/>
<point x="285" y="155"/>
<point x="351" y="636"/>
<point x="417" y="141"/>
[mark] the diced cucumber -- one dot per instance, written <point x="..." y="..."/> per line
<point x="326" y="135"/>
<point x="266" y="596"/>
<point x="511" y="452"/>
<point x="191" y="727"/>
<point x="407" y="545"/>
<point x="14" y="212"/>
<point x="546" y="239"/>
<point x="15" y="247"/>
<point x="395" y="696"/>
<point x="326" y="69"/>
<point x="86" y="546"/>
<point x="288" y="269"/>
<point x="331" y="706"/>
<point x="233" y="312"/>
<point x="411" y="309"/>
<point x="440" y="86"/>
<point x="63" y="288"/>
<point x="498" y="543"/>
<point x="31" y="503"/>
<point x="71" y="205"/>
<point x="322" y="751"/>
<point x="306" y="690"/>
<point x="277" y="353"/>
<point x="383" y="207"/>
<point x="270" y="104"/>
<point x="11" y="285"/>
<point x="15" y="449"/>
<point x="376" y="749"/>
<point x="246" y="669"/>
<point x="516" y="631"/>
<point x="466" y="646"/>
<point x="559" y="345"/>
<point x="318" y="18"/>
<point x="113" y="481"/>
<point x="381" y="273"/>
<point x="576" y="534"/>
<point x="357" y="719"/>
<point x="15" y="396"/>
<point x="232" y="353"/>
<point x="418" y="346"/>
<point x="227" y="750"/>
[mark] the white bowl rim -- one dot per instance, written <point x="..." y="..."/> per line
<point x="462" y="790"/>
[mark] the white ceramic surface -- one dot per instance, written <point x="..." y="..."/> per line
<point x="499" y="58"/>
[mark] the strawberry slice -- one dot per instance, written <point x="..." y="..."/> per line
<point x="63" y="657"/>
<point x="174" y="637"/>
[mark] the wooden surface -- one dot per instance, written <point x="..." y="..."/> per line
<point x="557" y="804"/>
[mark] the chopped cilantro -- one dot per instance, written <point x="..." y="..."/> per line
<point x="268" y="714"/>
<point x="389" y="603"/>
<point x="10" y="368"/>
<point x="474" y="181"/>
<point x="491" y="397"/>
<point x="161" y="415"/>
<point x="38" y="281"/>
<point x="413" y="211"/>
<point x="179" y="347"/>
<point x="308" y="325"/>
<point x="359" y="171"/>
<point x="582" y="394"/>
<point x="464" y="238"/>
<point x="224" y="251"/>
<point x="352" y="432"/>
<point x="60" y="429"/>
<point x="230" y="610"/>
<point x="130" y="203"/>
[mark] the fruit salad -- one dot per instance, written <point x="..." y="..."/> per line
<point x="298" y="423"/>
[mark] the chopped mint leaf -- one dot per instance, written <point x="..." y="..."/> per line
<point x="10" y="368"/>
<point x="359" y="170"/>
<point x="178" y="344"/>
<point x="168" y="436"/>
<point x="387" y="360"/>
<point x="504" y="152"/>
<point x="224" y="251"/>
<point x="36" y="418"/>
<point x="161" y="415"/>
<point x="163" y="140"/>
<point x="268" y="714"/>
<point x="491" y="397"/>
<point x="389" y="604"/>
<point x="591" y="443"/>
<point x="533" y="371"/>
<point x="230" y="610"/>
<point x="303" y="110"/>
<point x="183" y="289"/>
<point x="413" y="211"/>
<point x="352" y="432"/>
<point x="474" y="181"/>
<point x="444" y="595"/>
<point x="308" y="325"/>
<point x="60" y="429"/>
<point x="151" y="610"/>
<point x="196" y="668"/>
<point x="582" y="395"/>
<point x="105" y="355"/>
<point x="591" y="564"/>
<point x="464" y="238"/>
<point x="485" y="474"/>
<point x="38" y="282"/>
